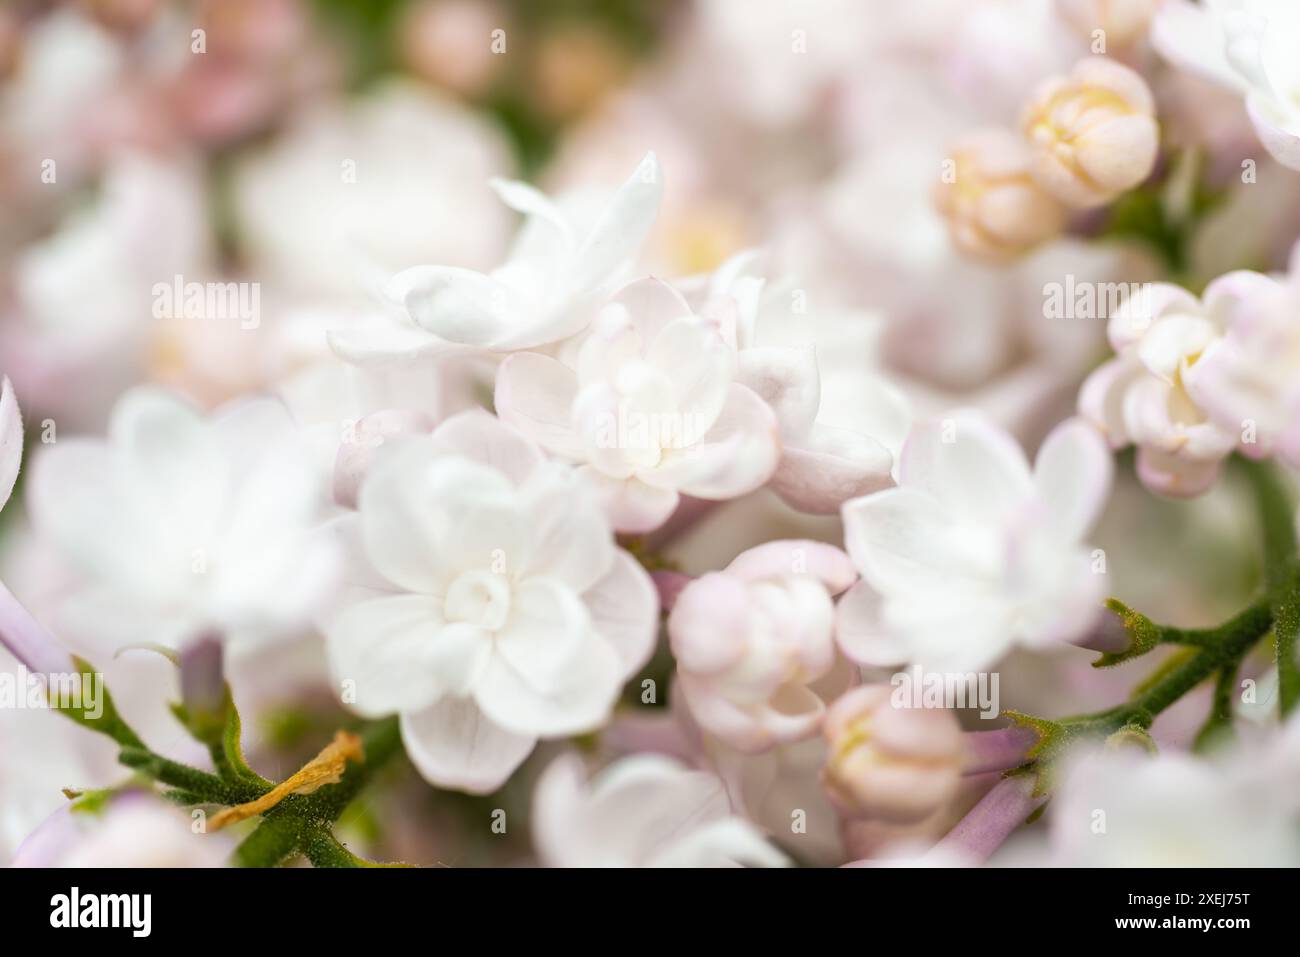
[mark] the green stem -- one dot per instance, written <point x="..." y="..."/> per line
<point x="301" y="823"/>
<point x="1281" y="575"/>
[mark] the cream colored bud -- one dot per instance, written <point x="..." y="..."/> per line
<point x="994" y="207"/>
<point x="890" y="763"/>
<point x="1093" y="133"/>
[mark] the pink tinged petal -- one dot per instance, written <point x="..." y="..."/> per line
<point x="629" y="504"/>
<point x="826" y="563"/>
<point x="788" y="380"/>
<point x="599" y="418"/>
<point x="649" y="305"/>
<point x="11" y="441"/>
<point x="831" y="467"/>
<point x="397" y="653"/>
<point x="737" y="455"/>
<point x="1282" y="143"/>
<point x="1073" y="475"/>
<point x="1119" y="153"/>
<point x="457" y="305"/>
<point x="709" y="624"/>
<point x="1176" y="477"/>
<point x="976" y="470"/>
<point x="621" y="228"/>
<point x="699" y="366"/>
<point x="371" y="436"/>
<point x="454" y="745"/>
<point x="27" y="640"/>
<point x="624" y="608"/>
<point x="720" y="716"/>
<point x="861" y="632"/>
<point x="481" y="436"/>
<point x="1101" y="400"/>
<point x="535" y="394"/>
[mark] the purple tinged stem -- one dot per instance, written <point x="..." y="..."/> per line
<point x="990" y="822"/>
<point x="998" y="750"/>
<point x="28" y="640"/>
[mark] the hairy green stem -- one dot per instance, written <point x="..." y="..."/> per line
<point x="1281" y="575"/>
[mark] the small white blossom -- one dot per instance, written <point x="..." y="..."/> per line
<point x="974" y="553"/>
<point x="643" y="811"/>
<point x="495" y="607"/>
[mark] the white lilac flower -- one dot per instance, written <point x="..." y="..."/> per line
<point x="1248" y="380"/>
<point x="565" y="261"/>
<point x="1125" y="808"/>
<point x="751" y="639"/>
<point x="495" y="608"/>
<point x="642" y="811"/>
<point x="974" y="552"/>
<point x="176" y="525"/>
<point x="1247" y="46"/>
<point x="1148" y="394"/>
<point x="651" y="407"/>
<point x="841" y="421"/>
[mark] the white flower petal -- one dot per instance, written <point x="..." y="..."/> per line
<point x="972" y="467"/>
<point x="830" y="467"/>
<point x="481" y="436"/>
<point x="454" y="745"/>
<point x="535" y="394"/>
<point x="1073" y="474"/>
<point x="620" y="229"/>
<point x="631" y="505"/>
<point x="736" y="456"/>
<point x="458" y="305"/>
<point x="787" y="379"/>
<point x="624" y="608"/>
<point x="398" y="654"/>
<point x="11" y="441"/>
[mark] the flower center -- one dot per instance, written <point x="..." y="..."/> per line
<point x="479" y="598"/>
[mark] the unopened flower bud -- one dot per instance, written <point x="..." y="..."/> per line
<point x="994" y="207"/>
<point x="896" y="764"/>
<point x="1093" y="133"/>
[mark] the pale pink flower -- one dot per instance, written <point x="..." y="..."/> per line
<point x="651" y="406"/>
<point x="974" y="553"/>
<point x="751" y="639"/>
